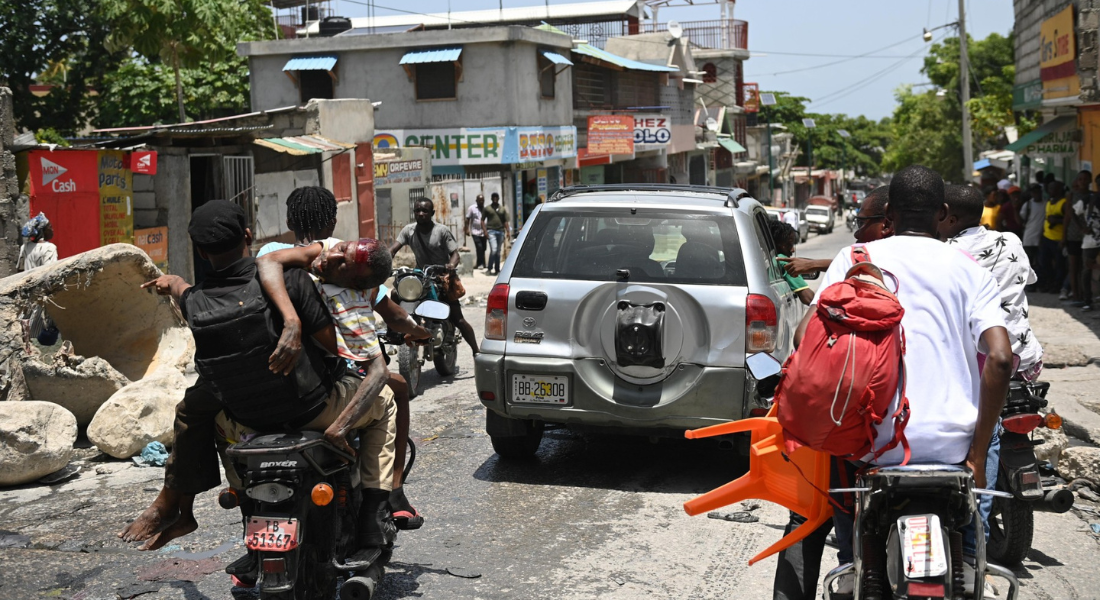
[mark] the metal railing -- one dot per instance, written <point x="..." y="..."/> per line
<point x="718" y="34"/>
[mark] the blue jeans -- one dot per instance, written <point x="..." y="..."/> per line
<point x="844" y="522"/>
<point x="496" y="242"/>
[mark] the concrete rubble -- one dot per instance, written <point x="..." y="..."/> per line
<point x="1081" y="462"/>
<point x="36" y="439"/>
<point x="121" y="371"/>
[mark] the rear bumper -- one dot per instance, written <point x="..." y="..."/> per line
<point x="691" y="397"/>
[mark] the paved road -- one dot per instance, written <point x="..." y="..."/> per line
<point x="592" y="516"/>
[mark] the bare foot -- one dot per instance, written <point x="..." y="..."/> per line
<point x="154" y="520"/>
<point x="184" y="525"/>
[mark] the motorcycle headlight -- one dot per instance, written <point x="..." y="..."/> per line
<point x="409" y="289"/>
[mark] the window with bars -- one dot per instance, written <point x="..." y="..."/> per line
<point x="436" y="81"/>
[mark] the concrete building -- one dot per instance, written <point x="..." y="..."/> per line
<point x="1056" y="81"/>
<point x="256" y="160"/>
<point x="493" y="104"/>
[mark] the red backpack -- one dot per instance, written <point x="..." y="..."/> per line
<point x="849" y="366"/>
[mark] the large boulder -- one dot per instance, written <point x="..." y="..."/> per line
<point x="139" y="413"/>
<point x="1081" y="462"/>
<point x="1054" y="443"/>
<point x="36" y="439"/>
<point x="80" y="385"/>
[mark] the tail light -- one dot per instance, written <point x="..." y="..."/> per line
<point x="496" y="312"/>
<point x="228" y="499"/>
<point x="1022" y="423"/>
<point x="1053" y="421"/>
<point x="761" y="324"/>
<point x="322" y="494"/>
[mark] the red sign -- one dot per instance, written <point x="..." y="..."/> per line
<point x="752" y="97"/>
<point x="65" y="186"/>
<point x="144" y="162"/>
<point x="611" y="134"/>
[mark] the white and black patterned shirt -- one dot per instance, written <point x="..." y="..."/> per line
<point x="1002" y="254"/>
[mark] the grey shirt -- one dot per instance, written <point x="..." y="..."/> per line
<point x="433" y="248"/>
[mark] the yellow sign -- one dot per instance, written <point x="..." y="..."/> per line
<point x="1058" y="56"/>
<point x="154" y="241"/>
<point x="116" y="199"/>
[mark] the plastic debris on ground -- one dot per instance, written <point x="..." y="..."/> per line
<point x="153" y="455"/>
<point x="10" y="539"/>
<point x="736" y="517"/>
<point x="64" y="474"/>
<point x="463" y="573"/>
<point x="1095" y="528"/>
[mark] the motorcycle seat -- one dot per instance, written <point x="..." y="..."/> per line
<point x="311" y="445"/>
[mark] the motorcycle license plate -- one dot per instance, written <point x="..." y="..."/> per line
<point x="540" y="389"/>
<point x="922" y="546"/>
<point x="271" y="535"/>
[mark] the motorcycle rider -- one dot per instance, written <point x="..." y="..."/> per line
<point x="218" y="230"/>
<point x="433" y="244"/>
<point x="311" y="215"/>
<point x="952" y="307"/>
<point x="871" y="224"/>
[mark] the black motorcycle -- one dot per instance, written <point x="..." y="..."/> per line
<point x="299" y="498"/>
<point x="1012" y="521"/>
<point x="421" y="293"/>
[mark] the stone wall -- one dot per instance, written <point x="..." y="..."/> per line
<point x="9" y="189"/>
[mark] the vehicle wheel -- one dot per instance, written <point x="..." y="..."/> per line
<point x="446" y="357"/>
<point x="408" y="364"/>
<point x="316" y="578"/>
<point x="1011" y="527"/>
<point x="805" y="236"/>
<point x="522" y="446"/>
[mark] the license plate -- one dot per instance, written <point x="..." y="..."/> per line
<point x="540" y="389"/>
<point x="271" y="535"/>
<point x="922" y="546"/>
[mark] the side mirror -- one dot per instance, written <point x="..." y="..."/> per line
<point x="812" y="276"/>
<point x="431" y="309"/>
<point x="763" y="365"/>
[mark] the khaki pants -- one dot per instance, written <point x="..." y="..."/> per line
<point x="377" y="431"/>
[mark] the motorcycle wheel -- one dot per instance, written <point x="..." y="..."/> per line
<point x="446" y="357"/>
<point x="408" y="364"/>
<point x="1011" y="527"/>
<point x="316" y="578"/>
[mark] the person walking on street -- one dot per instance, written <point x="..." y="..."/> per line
<point x="1088" y="211"/>
<point x="1033" y="213"/>
<point x="1052" y="265"/>
<point x="991" y="214"/>
<point x="37" y="250"/>
<point x="475" y="227"/>
<point x="433" y="244"/>
<point x="1075" y="235"/>
<point x="496" y="223"/>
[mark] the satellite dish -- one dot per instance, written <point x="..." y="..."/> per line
<point x="675" y="29"/>
<point x="712" y="125"/>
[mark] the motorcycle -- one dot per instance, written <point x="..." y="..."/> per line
<point x="421" y="292"/>
<point x="299" y="499"/>
<point x="1012" y="521"/>
<point x="907" y="539"/>
<point x="851" y="220"/>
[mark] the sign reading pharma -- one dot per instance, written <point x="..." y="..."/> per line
<point x="485" y="145"/>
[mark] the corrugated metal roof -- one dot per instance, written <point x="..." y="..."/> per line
<point x="626" y="63"/>
<point x="301" y="145"/>
<point x="556" y="58"/>
<point x="612" y="9"/>
<point x="311" y="63"/>
<point x="431" y="55"/>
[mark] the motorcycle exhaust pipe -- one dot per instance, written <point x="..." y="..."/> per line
<point x="1055" y="501"/>
<point x="358" y="588"/>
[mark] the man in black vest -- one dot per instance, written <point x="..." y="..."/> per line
<point x="326" y="400"/>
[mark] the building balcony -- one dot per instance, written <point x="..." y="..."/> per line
<point x="718" y="34"/>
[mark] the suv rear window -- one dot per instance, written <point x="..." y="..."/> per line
<point x="817" y="211"/>
<point x="655" y="246"/>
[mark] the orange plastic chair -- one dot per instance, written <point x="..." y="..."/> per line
<point x="772" y="478"/>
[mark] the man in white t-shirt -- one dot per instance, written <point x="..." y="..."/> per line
<point x="952" y="310"/>
<point x="790" y="217"/>
<point x="1088" y="212"/>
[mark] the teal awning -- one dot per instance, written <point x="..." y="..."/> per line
<point x="621" y="61"/>
<point x="731" y="145"/>
<point x="431" y="55"/>
<point x="556" y="58"/>
<point x="310" y="63"/>
<point x="1040" y="132"/>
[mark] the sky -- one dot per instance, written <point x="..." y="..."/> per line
<point x="863" y="86"/>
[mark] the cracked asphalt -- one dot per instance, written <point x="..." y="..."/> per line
<point x="593" y="516"/>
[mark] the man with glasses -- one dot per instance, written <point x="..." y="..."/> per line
<point x="871" y="225"/>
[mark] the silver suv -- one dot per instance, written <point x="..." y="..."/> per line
<point x="632" y="307"/>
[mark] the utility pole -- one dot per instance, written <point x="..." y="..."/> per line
<point x="964" y="95"/>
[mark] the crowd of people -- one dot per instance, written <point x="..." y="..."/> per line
<point x="1060" y="230"/>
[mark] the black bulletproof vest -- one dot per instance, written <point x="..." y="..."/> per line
<point x="235" y="335"/>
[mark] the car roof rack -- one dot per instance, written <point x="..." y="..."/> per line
<point x="732" y="196"/>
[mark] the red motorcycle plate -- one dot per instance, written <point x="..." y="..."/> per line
<point x="271" y="535"/>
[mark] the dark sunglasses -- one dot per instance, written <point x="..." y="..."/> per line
<point x="871" y="218"/>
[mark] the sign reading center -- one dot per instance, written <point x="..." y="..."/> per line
<point x="463" y="146"/>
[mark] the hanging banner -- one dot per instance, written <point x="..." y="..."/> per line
<point x="611" y="134"/>
<point x="154" y="241"/>
<point x="116" y="199"/>
<point x="1058" y="56"/>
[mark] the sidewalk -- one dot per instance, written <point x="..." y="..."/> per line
<point x="1070" y="339"/>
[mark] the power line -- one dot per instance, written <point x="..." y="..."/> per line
<point x="851" y="89"/>
<point x="837" y="62"/>
<point x="819" y="55"/>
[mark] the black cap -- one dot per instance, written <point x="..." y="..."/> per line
<point x="217" y="226"/>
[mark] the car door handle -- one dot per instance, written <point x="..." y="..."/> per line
<point x="526" y="300"/>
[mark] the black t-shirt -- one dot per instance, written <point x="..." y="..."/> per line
<point x="307" y="302"/>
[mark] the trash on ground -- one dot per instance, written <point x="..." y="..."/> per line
<point x="68" y="472"/>
<point x="750" y="505"/>
<point x="153" y="455"/>
<point x="736" y="517"/>
<point x="1088" y="494"/>
<point x="463" y="573"/>
<point x="10" y="539"/>
<point x="1095" y="528"/>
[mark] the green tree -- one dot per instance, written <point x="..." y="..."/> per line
<point x="185" y="34"/>
<point x="58" y="42"/>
